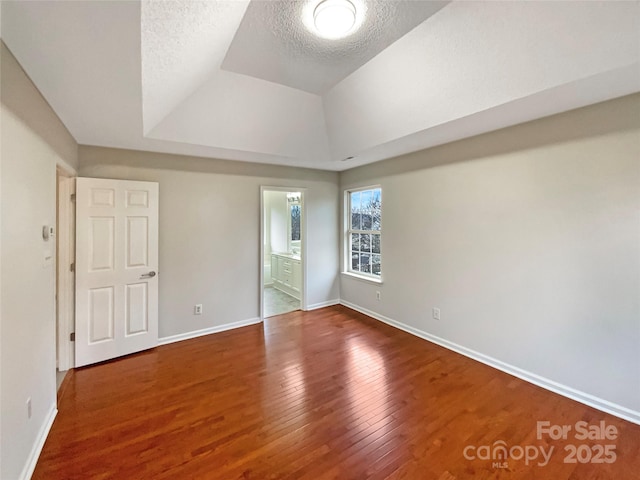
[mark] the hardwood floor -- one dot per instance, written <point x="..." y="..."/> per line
<point x="313" y="395"/>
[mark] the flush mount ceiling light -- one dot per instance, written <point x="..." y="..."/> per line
<point x="334" y="18"/>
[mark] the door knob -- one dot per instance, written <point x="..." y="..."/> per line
<point x="148" y="275"/>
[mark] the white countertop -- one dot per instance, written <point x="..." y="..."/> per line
<point x="287" y="255"/>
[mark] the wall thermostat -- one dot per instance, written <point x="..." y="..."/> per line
<point x="47" y="232"/>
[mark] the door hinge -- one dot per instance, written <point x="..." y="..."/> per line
<point x="72" y="267"/>
<point x="73" y="197"/>
<point x="72" y="336"/>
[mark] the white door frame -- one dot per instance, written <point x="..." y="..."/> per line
<point x="65" y="276"/>
<point x="303" y="243"/>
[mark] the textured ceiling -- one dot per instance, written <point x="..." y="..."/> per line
<point x="273" y="44"/>
<point x="183" y="43"/>
<point x="151" y="75"/>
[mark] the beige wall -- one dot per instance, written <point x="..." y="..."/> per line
<point x="33" y="142"/>
<point x="210" y="232"/>
<point x="528" y="240"/>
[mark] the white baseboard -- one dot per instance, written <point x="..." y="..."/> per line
<point x="30" y="466"/>
<point x="328" y="303"/>
<point x="577" y="395"/>
<point x="207" y="331"/>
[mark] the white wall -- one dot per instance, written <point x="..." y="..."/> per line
<point x="276" y="219"/>
<point x="528" y="240"/>
<point x="33" y="142"/>
<point x="210" y="232"/>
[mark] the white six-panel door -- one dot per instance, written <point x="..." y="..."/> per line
<point x="116" y="268"/>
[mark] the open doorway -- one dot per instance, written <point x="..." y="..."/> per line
<point x="65" y="275"/>
<point x="283" y="251"/>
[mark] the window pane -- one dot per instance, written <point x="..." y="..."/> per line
<point x="364" y="267"/>
<point x="366" y="221"/>
<point x="375" y="269"/>
<point x="355" y="241"/>
<point x="375" y="242"/>
<point x="376" y="209"/>
<point x="375" y="221"/>
<point x="377" y="196"/>
<point x="365" y="242"/>
<point x="355" y="221"/>
<point x="375" y="259"/>
<point x="355" y="258"/>
<point x="366" y="200"/>
<point x="295" y="223"/>
<point x="355" y="202"/>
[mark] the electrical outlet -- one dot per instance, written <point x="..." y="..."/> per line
<point x="29" y="407"/>
<point x="436" y="313"/>
<point x="197" y="310"/>
<point x="378" y="296"/>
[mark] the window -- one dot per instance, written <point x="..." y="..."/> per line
<point x="364" y="231"/>
<point x="293" y="223"/>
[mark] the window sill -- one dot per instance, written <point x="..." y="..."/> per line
<point x="363" y="278"/>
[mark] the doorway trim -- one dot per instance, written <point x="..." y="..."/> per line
<point x="65" y="275"/>
<point x="303" y="243"/>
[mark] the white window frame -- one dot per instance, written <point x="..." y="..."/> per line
<point x="347" y="270"/>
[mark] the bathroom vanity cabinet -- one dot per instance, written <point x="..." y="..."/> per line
<point x="286" y="273"/>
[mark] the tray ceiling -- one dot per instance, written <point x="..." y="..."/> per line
<point x="247" y="80"/>
<point x="273" y="44"/>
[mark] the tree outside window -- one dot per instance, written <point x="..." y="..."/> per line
<point x="365" y="227"/>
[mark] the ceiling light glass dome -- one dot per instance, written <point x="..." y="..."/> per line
<point x="334" y="18"/>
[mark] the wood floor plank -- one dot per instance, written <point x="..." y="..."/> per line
<point x="328" y="394"/>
